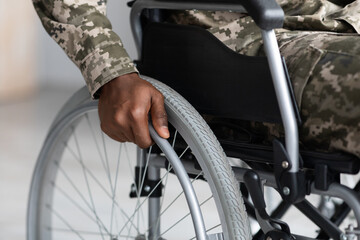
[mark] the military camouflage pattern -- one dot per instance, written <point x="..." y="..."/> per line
<point x="323" y="62"/>
<point x="319" y="41"/>
<point x="330" y="101"/>
<point x="82" y="30"/>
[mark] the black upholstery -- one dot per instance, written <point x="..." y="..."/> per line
<point x="336" y="162"/>
<point x="212" y="77"/>
<point x="220" y="82"/>
<point x="266" y="13"/>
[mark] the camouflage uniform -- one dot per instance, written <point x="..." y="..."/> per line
<point x="321" y="45"/>
<point x="82" y="30"/>
<point x="319" y="41"/>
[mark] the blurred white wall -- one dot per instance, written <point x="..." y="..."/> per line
<point x="17" y="39"/>
<point x="54" y="67"/>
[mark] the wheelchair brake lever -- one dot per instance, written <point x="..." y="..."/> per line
<point x="268" y="225"/>
<point x="130" y="3"/>
<point x="253" y="184"/>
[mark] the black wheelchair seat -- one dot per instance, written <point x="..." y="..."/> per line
<point x="213" y="78"/>
<point x="220" y="82"/>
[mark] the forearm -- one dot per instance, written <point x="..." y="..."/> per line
<point x="83" y="31"/>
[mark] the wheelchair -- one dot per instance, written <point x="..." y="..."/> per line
<point x="185" y="187"/>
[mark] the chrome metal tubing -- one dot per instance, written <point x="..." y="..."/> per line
<point x="160" y="162"/>
<point x="350" y="197"/>
<point x="271" y="48"/>
<point x="140" y="5"/>
<point x="154" y="206"/>
<point x="216" y="236"/>
<point x="185" y="182"/>
<point x="283" y="97"/>
<point x="140" y="157"/>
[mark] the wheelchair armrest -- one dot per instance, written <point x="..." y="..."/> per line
<point x="266" y="13"/>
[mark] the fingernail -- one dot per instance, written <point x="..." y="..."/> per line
<point x="165" y="131"/>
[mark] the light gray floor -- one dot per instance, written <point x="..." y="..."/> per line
<point x="23" y="126"/>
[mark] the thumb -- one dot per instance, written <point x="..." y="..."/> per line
<point x="159" y="116"/>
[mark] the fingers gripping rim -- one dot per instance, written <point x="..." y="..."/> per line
<point x="222" y="181"/>
<point x="189" y="123"/>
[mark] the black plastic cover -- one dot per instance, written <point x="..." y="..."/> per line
<point x="253" y="185"/>
<point x="277" y="234"/>
<point x="220" y="82"/>
<point x="215" y="79"/>
<point x="266" y="13"/>
<point x="337" y="162"/>
<point x="295" y="182"/>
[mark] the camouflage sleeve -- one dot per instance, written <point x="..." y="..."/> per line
<point x="83" y="31"/>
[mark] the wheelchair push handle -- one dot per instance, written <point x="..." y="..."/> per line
<point x="266" y="13"/>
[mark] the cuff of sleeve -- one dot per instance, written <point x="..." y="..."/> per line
<point x="95" y="89"/>
<point x="102" y="66"/>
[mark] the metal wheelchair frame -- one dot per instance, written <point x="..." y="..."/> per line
<point x="287" y="174"/>
<point x="286" y="109"/>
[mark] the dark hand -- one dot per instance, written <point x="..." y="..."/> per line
<point x="124" y="105"/>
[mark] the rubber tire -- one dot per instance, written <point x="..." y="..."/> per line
<point x="193" y="129"/>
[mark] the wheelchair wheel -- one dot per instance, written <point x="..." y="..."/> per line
<point x="87" y="186"/>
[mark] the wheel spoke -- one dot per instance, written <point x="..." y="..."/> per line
<point x="131" y="170"/>
<point x="172" y="202"/>
<point x="75" y="203"/>
<point x="175" y="135"/>
<point x="66" y="199"/>
<point x="182" y="154"/>
<point x="107" y="162"/>
<point x="95" y="141"/>
<point x="161" y="180"/>
<point x="66" y="222"/>
<point x="162" y="199"/>
<point x="145" y="171"/>
<point x="127" y="218"/>
<point x="84" y="232"/>
<point x="92" y="175"/>
<point x="103" y="188"/>
<point x="115" y="186"/>
<point x="181" y="219"/>
<point x="143" y="178"/>
<point x="82" y="197"/>
<point x="137" y="189"/>
<point x="86" y="179"/>
<point x="182" y="192"/>
<point x="138" y="207"/>
<point x="208" y="230"/>
<point x="166" y="179"/>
